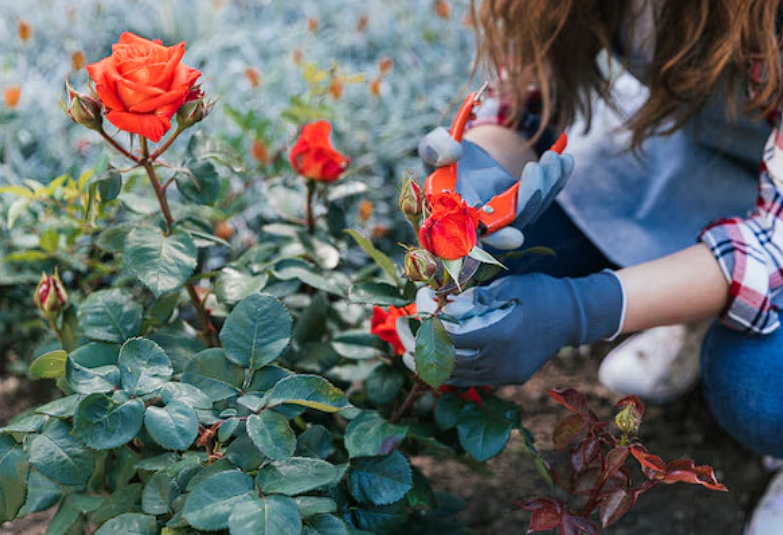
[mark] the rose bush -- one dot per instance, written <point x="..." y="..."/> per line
<point x="143" y="84"/>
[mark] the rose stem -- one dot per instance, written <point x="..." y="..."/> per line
<point x="166" y="144"/>
<point x="116" y="146"/>
<point x="399" y="413"/>
<point x="208" y="334"/>
<point x="310" y="216"/>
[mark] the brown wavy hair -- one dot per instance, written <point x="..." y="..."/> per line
<point x="699" y="45"/>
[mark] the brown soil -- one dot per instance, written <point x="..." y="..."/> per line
<point x="683" y="428"/>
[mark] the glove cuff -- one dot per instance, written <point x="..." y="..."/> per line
<point x="599" y="306"/>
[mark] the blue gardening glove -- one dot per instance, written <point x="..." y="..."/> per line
<point x="481" y="178"/>
<point x="505" y="331"/>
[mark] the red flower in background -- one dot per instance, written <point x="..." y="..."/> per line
<point x="383" y="324"/>
<point x="142" y="84"/>
<point x="450" y="230"/>
<point x="313" y="155"/>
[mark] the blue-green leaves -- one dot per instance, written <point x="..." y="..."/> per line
<point x="144" y="366"/>
<point x="256" y="332"/>
<point x="162" y="263"/>
<point x="103" y="423"/>
<point x="434" y="353"/>
<point x="14" y="468"/>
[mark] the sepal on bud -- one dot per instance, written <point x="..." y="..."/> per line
<point x="421" y="265"/>
<point x="194" y="109"/>
<point x="411" y="199"/>
<point x="50" y="295"/>
<point x="84" y="109"/>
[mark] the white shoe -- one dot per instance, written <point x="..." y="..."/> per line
<point x="658" y="364"/>
<point x="767" y="517"/>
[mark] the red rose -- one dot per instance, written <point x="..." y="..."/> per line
<point x="450" y="230"/>
<point x="142" y="84"/>
<point x="383" y="324"/>
<point x="313" y="155"/>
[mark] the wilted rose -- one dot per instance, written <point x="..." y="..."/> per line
<point x="143" y="84"/>
<point x="313" y="155"/>
<point x="383" y="324"/>
<point x="450" y="230"/>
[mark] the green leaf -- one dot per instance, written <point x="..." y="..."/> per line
<point x="211" y="501"/>
<point x="434" y="353"/>
<point x="61" y="408"/>
<point x="265" y="515"/>
<point x="68" y="520"/>
<point x="174" y="426"/>
<point x="290" y="269"/>
<point x="311" y="323"/>
<point x="380" y="480"/>
<point x="110" y="316"/>
<point x="316" y="441"/>
<point x="256" y="332"/>
<point x="110" y="185"/>
<point x="227" y="427"/>
<point x="296" y="475"/>
<point x="214" y="375"/>
<point x="482" y="434"/>
<point x="144" y="366"/>
<point x="384" y="384"/>
<point x="312" y="391"/>
<point x="380" y="519"/>
<point x="104" y="424"/>
<point x="124" y="500"/>
<point x="159" y="493"/>
<point x="453" y="268"/>
<point x="179" y="345"/>
<point x="421" y="495"/>
<point x="481" y="255"/>
<point x="96" y="354"/>
<point x="272" y="435"/>
<point x="60" y="456"/>
<point x="13" y="477"/>
<point x="447" y="410"/>
<point x="186" y="393"/>
<point x="233" y="285"/>
<point x="162" y="263"/>
<point x="378" y="293"/>
<point x="380" y="258"/>
<point x="326" y="524"/>
<point x="130" y="524"/>
<point x="91" y="380"/>
<point x="315" y="505"/>
<point x="30" y="423"/>
<point x="113" y="238"/>
<point x="369" y="434"/>
<point x="243" y="453"/>
<point x="42" y="493"/>
<point x="50" y="240"/>
<point x="49" y="366"/>
<point x="201" y="184"/>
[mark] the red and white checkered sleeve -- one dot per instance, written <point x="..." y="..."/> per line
<point x="750" y="250"/>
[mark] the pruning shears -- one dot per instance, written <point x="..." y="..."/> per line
<point x="500" y="210"/>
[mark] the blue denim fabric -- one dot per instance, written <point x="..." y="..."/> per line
<point x="741" y="378"/>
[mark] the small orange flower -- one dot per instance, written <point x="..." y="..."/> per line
<point x="78" y="60"/>
<point x="443" y="9"/>
<point x="252" y="75"/>
<point x="336" y="87"/>
<point x="260" y="152"/>
<point x="296" y="56"/>
<point x="375" y="86"/>
<point x="24" y="30"/>
<point x="450" y="230"/>
<point x="379" y="231"/>
<point x="385" y="65"/>
<point x="313" y="155"/>
<point x="361" y="25"/>
<point x="312" y="24"/>
<point x="383" y="324"/>
<point x="365" y="210"/>
<point x="12" y="95"/>
<point x="224" y="230"/>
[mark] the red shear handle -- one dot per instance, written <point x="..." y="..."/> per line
<point x="501" y="210"/>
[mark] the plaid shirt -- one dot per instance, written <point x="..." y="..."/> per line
<point x="749" y="250"/>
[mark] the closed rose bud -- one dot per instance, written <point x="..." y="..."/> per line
<point x="50" y="295"/>
<point x="194" y="109"/>
<point x="628" y="420"/>
<point x="84" y="109"/>
<point x="420" y="265"/>
<point x="11" y="95"/>
<point x="411" y="199"/>
<point x="24" y="30"/>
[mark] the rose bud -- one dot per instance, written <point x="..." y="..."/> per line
<point x="194" y="109"/>
<point x="628" y="420"/>
<point x="420" y="265"/>
<point x="411" y="199"/>
<point x="84" y="109"/>
<point x="50" y="295"/>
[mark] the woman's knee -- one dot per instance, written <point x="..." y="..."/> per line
<point x="742" y="382"/>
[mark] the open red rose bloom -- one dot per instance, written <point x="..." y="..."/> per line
<point x="383" y="324"/>
<point x="450" y="230"/>
<point x="313" y="155"/>
<point x="142" y="84"/>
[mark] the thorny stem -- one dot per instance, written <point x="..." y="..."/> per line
<point x="399" y="413"/>
<point x="310" y="216"/>
<point x="207" y="333"/>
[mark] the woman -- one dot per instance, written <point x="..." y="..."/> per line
<point x="635" y="230"/>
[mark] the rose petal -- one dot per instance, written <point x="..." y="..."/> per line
<point x="150" y="126"/>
